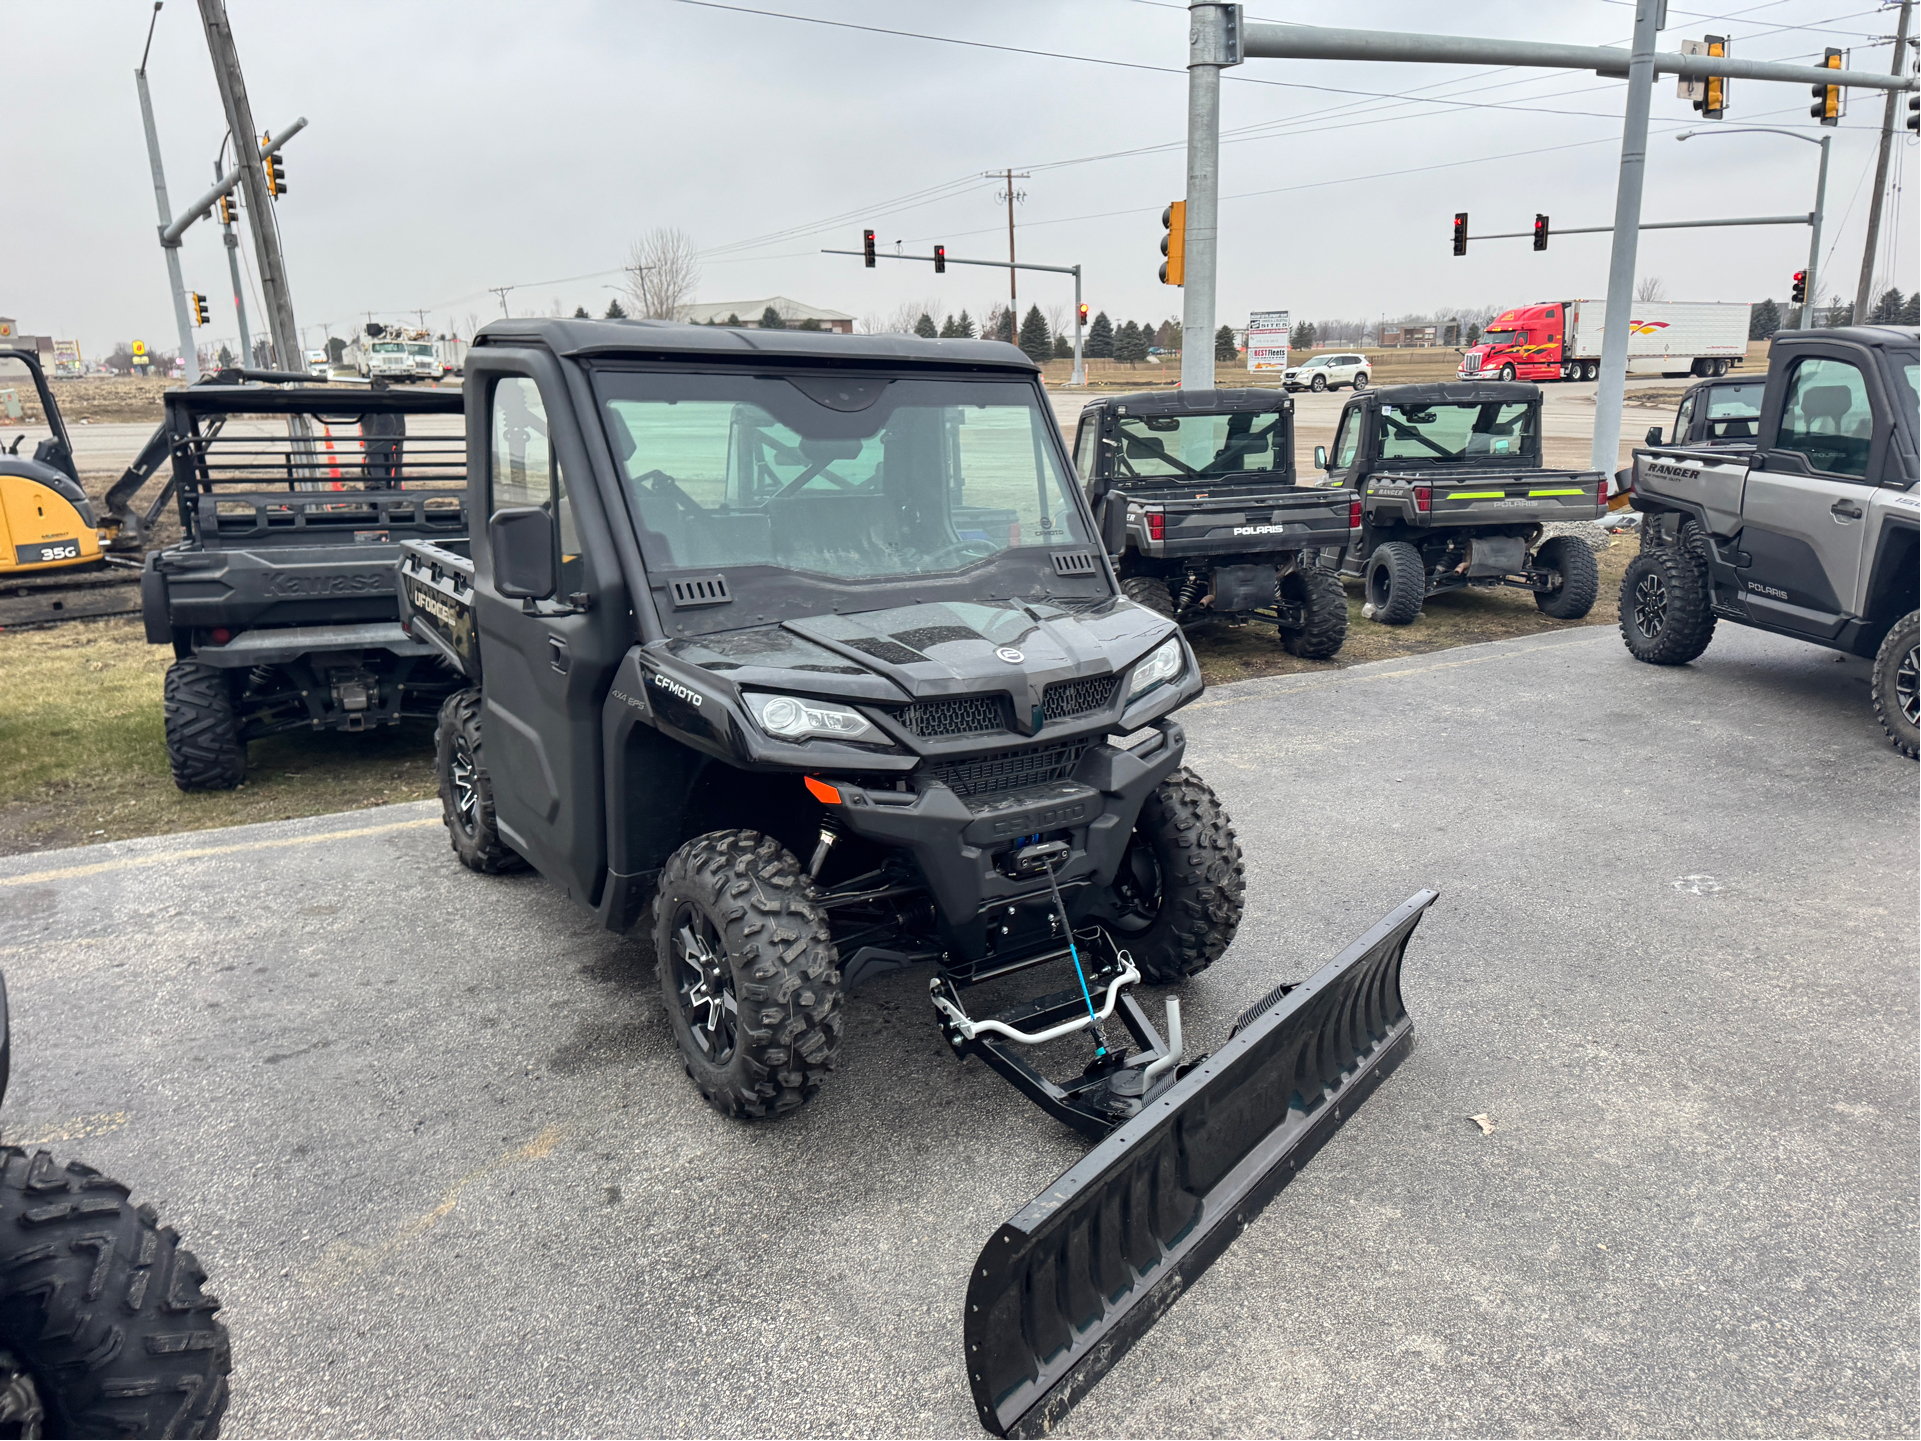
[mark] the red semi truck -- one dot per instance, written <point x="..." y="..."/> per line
<point x="1561" y="340"/>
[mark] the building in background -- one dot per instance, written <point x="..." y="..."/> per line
<point x="1444" y="333"/>
<point x="750" y="312"/>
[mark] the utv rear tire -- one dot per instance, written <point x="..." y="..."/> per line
<point x="1396" y="582"/>
<point x="1151" y="592"/>
<point x="1895" y="677"/>
<point x="1665" y="618"/>
<point x="1323" y="602"/>
<point x="103" y="1308"/>
<point x="1178" y="895"/>
<point x="1580" y="578"/>
<point x="204" y="749"/>
<point x="467" y="790"/>
<point x="738" y="931"/>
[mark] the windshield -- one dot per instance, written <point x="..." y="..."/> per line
<point x="1739" y="402"/>
<point x="1503" y="337"/>
<point x="854" y="478"/>
<point x="1488" y="431"/>
<point x="1904" y="368"/>
<point x="387" y="347"/>
<point x="420" y="350"/>
<point x="1318" y="360"/>
<point x="1171" y="448"/>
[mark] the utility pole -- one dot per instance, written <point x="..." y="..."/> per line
<point x="500" y="290"/>
<point x="1604" y="454"/>
<point x="189" y="353"/>
<point x="232" y="243"/>
<point x="1862" y="297"/>
<point x="1814" y="239"/>
<point x="1213" y="43"/>
<point x="274" y="292"/>
<point x="1010" y="195"/>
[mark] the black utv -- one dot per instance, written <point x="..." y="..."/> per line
<point x="801" y="655"/>
<point x="1216" y="526"/>
<point x="1452" y="493"/>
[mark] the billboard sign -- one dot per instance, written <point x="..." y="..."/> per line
<point x="1267" y="340"/>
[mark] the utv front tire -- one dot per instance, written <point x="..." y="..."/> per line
<point x="466" y="789"/>
<point x="204" y="749"/>
<point x="1665" y="618"/>
<point x="1323" y="602"/>
<point x="1150" y="591"/>
<point x="748" y="973"/>
<point x="1896" y="701"/>
<point x="1396" y="582"/>
<point x="102" y="1306"/>
<point x="1176" y="900"/>
<point x="1580" y="578"/>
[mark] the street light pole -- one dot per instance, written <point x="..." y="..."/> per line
<point x="1814" y="217"/>
<point x="188" y="351"/>
<point x="1209" y="50"/>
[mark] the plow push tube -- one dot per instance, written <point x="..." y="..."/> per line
<point x="1064" y="1288"/>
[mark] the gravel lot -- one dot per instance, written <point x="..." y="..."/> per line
<point x="427" y="1131"/>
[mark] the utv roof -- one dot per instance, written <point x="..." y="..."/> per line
<point x="723" y="342"/>
<point x="1193" y="402"/>
<point x="314" y="399"/>
<point x="1455" y="392"/>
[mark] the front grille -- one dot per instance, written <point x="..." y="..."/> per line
<point x="962" y="716"/>
<point x="1470" y="364"/>
<point x="1008" y="770"/>
<point x="1066" y="698"/>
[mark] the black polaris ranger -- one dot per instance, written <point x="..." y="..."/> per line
<point x="279" y="603"/>
<point x="1453" y="493"/>
<point x="800" y="654"/>
<point x="1217" y="528"/>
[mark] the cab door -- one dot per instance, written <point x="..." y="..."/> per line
<point x="1804" y="509"/>
<point x="546" y="663"/>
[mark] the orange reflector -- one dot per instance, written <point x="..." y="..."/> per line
<point x="822" y="792"/>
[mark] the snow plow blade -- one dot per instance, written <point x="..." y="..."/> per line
<point x="1064" y="1288"/>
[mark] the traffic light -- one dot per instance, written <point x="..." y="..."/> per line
<point x="1174" y="244"/>
<point x="227" y="209"/>
<point x="1800" y="292"/>
<point x="1714" y="89"/>
<point x="276" y="173"/>
<point x="1540" y="232"/>
<point x="940" y="260"/>
<point x="1827" y="101"/>
<point x="1914" y="112"/>
<point x="1083" y="314"/>
<point x="198" y="304"/>
<point x="1460" y="232"/>
<point x="867" y="248"/>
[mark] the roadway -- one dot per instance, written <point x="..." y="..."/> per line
<point x="428" y="1132"/>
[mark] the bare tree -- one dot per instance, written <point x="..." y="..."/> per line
<point x="1651" y="289"/>
<point x="474" y="322"/>
<point x="662" y="270"/>
<point x="1057" y="321"/>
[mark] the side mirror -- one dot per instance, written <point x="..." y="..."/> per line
<point x="522" y="541"/>
<point x="1114" y="523"/>
<point x="1320" y="457"/>
<point x="1654" y="435"/>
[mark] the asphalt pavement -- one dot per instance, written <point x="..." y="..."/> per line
<point x="427" y="1130"/>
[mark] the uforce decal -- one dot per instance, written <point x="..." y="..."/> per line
<point x="1257" y="530"/>
<point x="1660" y="470"/>
<point x="433" y="605"/>
<point x="675" y="688"/>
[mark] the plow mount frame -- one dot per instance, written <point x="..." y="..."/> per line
<point x="1065" y="1287"/>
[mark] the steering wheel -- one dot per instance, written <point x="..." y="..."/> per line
<point x="964" y="551"/>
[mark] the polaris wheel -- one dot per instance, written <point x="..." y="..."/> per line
<point x="1320" y="383"/>
<point x="1151" y="592"/>
<point x="1396" y="582"/>
<point x="466" y="790"/>
<point x="1176" y="900"/>
<point x="1665" y="618"/>
<point x="1580" y="578"/>
<point x="204" y="749"/>
<point x="1896" y="698"/>
<point x="102" y="1308"/>
<point x="1323" y="603"/>
<point x="748" y="973"/>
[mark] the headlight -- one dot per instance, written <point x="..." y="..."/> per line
<point x="794" y="719"/>
<point x="1164" y="662"/>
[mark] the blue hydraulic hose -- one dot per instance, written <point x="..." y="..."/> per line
<point x="1100" y="1049"/>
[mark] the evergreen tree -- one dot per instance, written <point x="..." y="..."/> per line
<point x="1303" y="336"/>
<point x="1887" y="310"/>
<point x="1035" y="342"/>
<point x="809" y="324"/>
<point x="1168" y="336"/>
<point x="1474" y="331"/>
<point x="1004" y="325"/>
<point x="1063" y="347"/>
<point x="1100" y="338"/>
<point x="925" y="327"/>
<point x="770" y="319"/>
<point x="947" y="330"/>
<point x="580" y="313"/>
<point x="614" y="310"/>
<point x="732" y="319"/>
<point x="1762" y="322"/>
<point x="1911" y="312"/>
<point x="964" y="327"/>
<point x="1129" y="346"/>
<point x="1224" y="347"/>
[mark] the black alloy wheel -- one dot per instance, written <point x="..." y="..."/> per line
<point x="704" y="982"/>
<point x="1137" y="887"/>
<point x="1651" y="605"/>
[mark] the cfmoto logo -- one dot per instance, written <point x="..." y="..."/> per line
<point x="1010" y="655"/>
<point x="674" y="687"/>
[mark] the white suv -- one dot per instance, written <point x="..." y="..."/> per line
<point x="1324" y="372"/>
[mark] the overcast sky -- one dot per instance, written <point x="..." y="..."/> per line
<point x="455" y="145"/>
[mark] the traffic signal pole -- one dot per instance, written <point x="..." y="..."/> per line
<point x="1604" y="454"/>
<point x="188" y="352"/>
<point x="1862" y="298"/>
<point x="1212" y="36"/>
<point x="232" y="243"/>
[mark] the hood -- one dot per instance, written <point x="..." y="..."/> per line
<point x="937" y="650"/>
